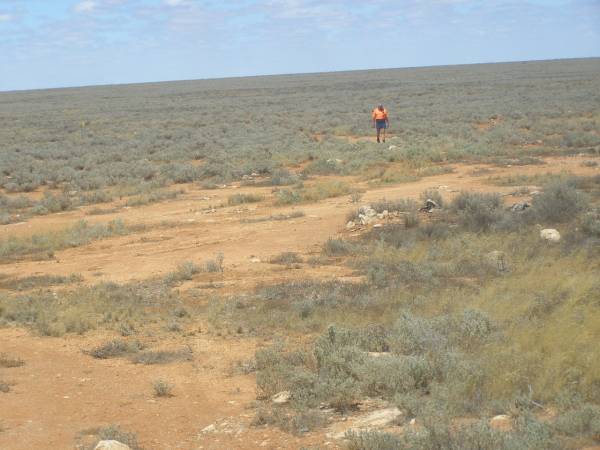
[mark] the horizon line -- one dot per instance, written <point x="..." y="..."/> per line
<point x="287" y="74"/>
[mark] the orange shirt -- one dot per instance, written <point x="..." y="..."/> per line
<point x="379" y="115"/>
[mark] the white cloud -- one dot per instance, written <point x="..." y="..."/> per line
<point x="6" y="18"/>
<point x="85" y="6"/>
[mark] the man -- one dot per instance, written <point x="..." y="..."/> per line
<point x="380" y="121"/>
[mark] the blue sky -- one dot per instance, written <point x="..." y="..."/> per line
<point x="53" y="43"/>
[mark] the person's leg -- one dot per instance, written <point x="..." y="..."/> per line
<point x="378" y="132"/>
<point x="384" y="130"/>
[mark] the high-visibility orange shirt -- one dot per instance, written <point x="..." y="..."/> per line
<point x="379" y="115"/>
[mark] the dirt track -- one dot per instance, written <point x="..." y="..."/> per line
<point x="60" y="391"/>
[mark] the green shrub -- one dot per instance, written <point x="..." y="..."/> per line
<point x="478" y="211"/>
<point x="115" y="433"/>
<point x="237" y="199"/>
<point x="373" y="440"/>
<point x="8" y="362"/>
<point x="581" y="421"/>
<point x="215" y="265"/>
<point x="338" y="247"/>
<point x="162" y="388"/>
<point x="115" y="349"/>
<point x="161" y="356"/>
<point x="559" y="202"/>
<point x="286" y="258"/>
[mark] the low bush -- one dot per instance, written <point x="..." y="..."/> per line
<point x="185" y="271"/>
<point x="373" y="440"/>
<point x="286" y="258"/>
<point x="7" y="361"/>
<point x="559" y="202"/>
<point x="152" y="357"/>
<point x="162" y="388"/>
<point x="478" y="211"/>
<point x="116" y="349"/>
<point x="215" y="265"/>
<point x="115" y="433"/>
<point x="338" y="247"/>
<point x="237" y="199"/>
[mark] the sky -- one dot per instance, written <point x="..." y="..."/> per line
<point x="58" y="43"/>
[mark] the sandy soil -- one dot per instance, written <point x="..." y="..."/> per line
<point x="60" y="391"/>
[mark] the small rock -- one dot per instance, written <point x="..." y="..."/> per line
<point x="350" y="225"/>
<point x="111" y="445"/>
<point x="281" y="397"/>
<point x="379" y="418"/>
<point x="377" y="354"/>
<point x="550" y="234"/>
<point x="209" y="429"/>
<point x="412" y="422"/>
<point x="392" y="147"/>
<point x="534" y="193"/>
<point x="501" y="423"/>
<point x="521" y="206"/>
<point x="377" y="225"/>
<point x="429" y="205"/>
<point x="254" y="260"/>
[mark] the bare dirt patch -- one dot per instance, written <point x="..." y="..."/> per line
<point x="60" y="390"/>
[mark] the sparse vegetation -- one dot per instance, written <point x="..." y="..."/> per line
<point x="43" y="246"/>
<point x="7" y="361"/>
<point x="286" y="258"/>
<point x="237" y="199"/>
<point x="162" y="388"/>
<point x="452" y="316"/>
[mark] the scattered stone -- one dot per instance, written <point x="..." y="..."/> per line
<point x="366" y="214"/>
<point x="209" y="429"/>
<point x="550" y="234"/>
<point x="501" y="423"/>
<point x="350" y="225"/>
<point x="430" y="205"/>
<point x="374" y="420"/>
<point x="111" y="445"/>
<point x="521" y="206"/>
<point x="281" y="397"/>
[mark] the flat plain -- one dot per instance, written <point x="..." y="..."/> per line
<point x="236" y="263"/>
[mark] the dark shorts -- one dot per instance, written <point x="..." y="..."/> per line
<point x="380" y="124"/>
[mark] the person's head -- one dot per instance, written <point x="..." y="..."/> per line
<point x="380" y="107"/>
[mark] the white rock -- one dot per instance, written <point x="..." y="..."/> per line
<point x="281" y="397"/>
<point x="209" y="429"/>
<point x="392" y="147"/>
<point x="377" y="225"/>
<point x="501" y="422"/>
<point x="350" y="225"/>
<point x="373" y="420"/>
<point x="550" y="234"/>
<point x="111" y="445"/>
